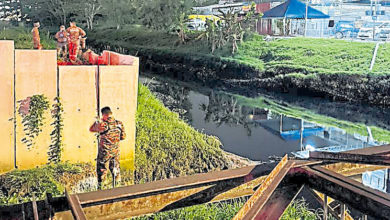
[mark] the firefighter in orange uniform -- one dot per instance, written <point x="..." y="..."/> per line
<point x="35" y="35"/>
<point x="75" y="33"/>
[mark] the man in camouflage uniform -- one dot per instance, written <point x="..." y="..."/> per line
<point x="110" y="132"/>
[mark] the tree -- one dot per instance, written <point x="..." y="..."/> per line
<point x="55" y="11"/>
<point x="230" y="29"/>
<point x="119" y="12"/>
<point x="90" y="8"/>
<point x="163" y="14"/>
<point x="11" y="10"/>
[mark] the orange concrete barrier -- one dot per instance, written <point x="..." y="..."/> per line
<point x="115" y="59"/>
<point x="77" y="86"/>
<point x="119" y="90"/>
<point x="36" y="74"/>
<point x="6" y="105"/>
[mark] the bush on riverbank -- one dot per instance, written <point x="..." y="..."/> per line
<point x="167" y="147"/>
<point x="21" y="185"/>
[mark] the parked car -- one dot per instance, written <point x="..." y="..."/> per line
<point x="344" y="29"/>
<point x="196" y="25"/>
<point x="367" y="30"/>
<point x="384" y="32"/>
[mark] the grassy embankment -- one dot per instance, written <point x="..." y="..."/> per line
<point x="306" y="55"/>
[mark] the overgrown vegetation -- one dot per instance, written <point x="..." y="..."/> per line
<point x="32" y="110"/>
<point x="55" y="148"/>
<point x="229" y="31"/>
<point x="21" y="185"/>
<point x="167" y="147"/>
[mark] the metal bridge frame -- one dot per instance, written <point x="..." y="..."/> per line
<point x="275" y="193"/>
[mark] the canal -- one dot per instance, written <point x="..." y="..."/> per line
<point x="264" y="127"/>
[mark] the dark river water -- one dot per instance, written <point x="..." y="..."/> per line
<point x="260" y="133"/>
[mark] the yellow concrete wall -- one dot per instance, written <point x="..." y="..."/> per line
<point x="6" y="105"/>
<point x="36" y="73"/>
<point x="77" y="85"/>
<point x="119" y="90"/>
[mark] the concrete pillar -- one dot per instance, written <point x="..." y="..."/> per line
<point x="7" y="147"/>
<point x="35" y="74"/>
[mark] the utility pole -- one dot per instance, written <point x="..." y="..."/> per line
<point x="374" y="17"/>
<point x="307" y="6"/>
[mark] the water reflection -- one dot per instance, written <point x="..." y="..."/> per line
<point x="378" y="179"/>
<point x="255" y="133"/>
<point x="222" y="109"/>
<point x="174" y="97"/>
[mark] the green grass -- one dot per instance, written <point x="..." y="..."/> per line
<point x="166" y="146"/>
<point x="227" y="210"/>
<point x="383" y="59"/>
<point x="311" y="55"/>
<point x="309" y="115"/>
<point x="21" y="185"/>
<point x="294" y="55"/>
<point x="23" y="38"/>
<point x="220" y="211"/>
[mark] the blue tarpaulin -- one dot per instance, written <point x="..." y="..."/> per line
<point x="294" y="9"/>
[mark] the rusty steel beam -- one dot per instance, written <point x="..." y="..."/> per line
<point x="206" y="185"/>
<point x="279" y="200"/>
<point x="240" y="176"/>
<point x="251" y="208"/>
<point x="75" y="206"/>
<point x="377" y="150"/>
<point x="349" y="157"/>
<point x="168" y="194"/>
<point x="346" y="190"/>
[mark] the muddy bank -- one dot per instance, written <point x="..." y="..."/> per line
<point x="228" y="75"/>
